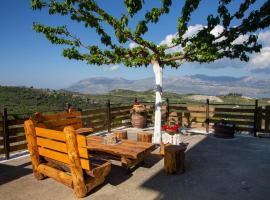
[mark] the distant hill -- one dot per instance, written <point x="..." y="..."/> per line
<point x="30" y="100"/>
<point x="190" y="84"/>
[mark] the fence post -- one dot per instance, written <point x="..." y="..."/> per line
<point x="5" y="133"/>
<point x="207" y="116"/>
<point x="267" y="119"/>
<point x="255" y="118"/>
<point x="259" y="119"/>
<point x="167" y="109"/>
<point x="109" y="116"/>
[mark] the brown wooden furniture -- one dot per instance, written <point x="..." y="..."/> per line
<point x="128" y="152"/>
<point x="121" y="134"/>
<point x="174" y="159"/>
<point x="60" y="120"/>
<point x="63" y="155"/>
<point x="144" y="136"/>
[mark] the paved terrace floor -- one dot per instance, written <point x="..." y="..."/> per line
<point x="220" y="169"/>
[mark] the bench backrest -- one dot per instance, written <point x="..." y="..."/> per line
<point x="53" y="144"/>
<point x="59" y="120"/>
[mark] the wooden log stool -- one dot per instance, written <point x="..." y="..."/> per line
<point x="174" y="159"/>
<point x="145" y="136"/>
<point x="121" y="134"/>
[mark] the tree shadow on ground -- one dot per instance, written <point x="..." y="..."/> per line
<point x="119" y="174"/>
<point x="218" y="169"/>
<point x="9" y="173"/>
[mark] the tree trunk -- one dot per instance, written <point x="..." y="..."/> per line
<point x="158" y="104"/>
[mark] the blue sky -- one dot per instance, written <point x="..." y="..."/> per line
<point x="27" y="58"/>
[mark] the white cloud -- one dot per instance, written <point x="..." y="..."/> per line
<point x="264" y="37"/>
<point x="240" y="39"/>
<point x="168" y="39"/>
<point x="133" y="45"/>
<point x="114" y="67"/>
<point x="193" y="30"/>
<point x="217" y="30"/>
<point x="259" y="62"/>
<point x="108" y="68"/>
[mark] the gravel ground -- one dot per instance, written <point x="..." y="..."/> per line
<point x="220" y="169"/>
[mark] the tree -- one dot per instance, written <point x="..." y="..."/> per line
<point x="202" y="47"/>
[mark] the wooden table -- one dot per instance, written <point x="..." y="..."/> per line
<point x="84" y="131"/>
<point x="128" y="152"/>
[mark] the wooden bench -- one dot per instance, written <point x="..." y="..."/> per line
<point x="62" y="155"/>
<point x="60" y="120"/>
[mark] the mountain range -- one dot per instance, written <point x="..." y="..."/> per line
<point x="189" y="84"/>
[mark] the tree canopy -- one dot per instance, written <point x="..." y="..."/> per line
<point x="202" y="47"/>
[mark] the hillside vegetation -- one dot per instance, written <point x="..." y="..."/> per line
<point x="20" y="100"/>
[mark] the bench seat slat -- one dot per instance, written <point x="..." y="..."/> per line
<point x="62" y="157"/>
<point x="51" y="134"/>
<point x="51" y="144"/>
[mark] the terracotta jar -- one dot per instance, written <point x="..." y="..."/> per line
<point x="138" y="116"/>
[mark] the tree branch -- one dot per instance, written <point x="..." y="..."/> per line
<point x="152" y="16"/>
<point x="115" y="24"/>
<point x="181" y="57"/>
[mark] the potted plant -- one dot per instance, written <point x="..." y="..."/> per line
<point x="224" y="129"/>
<point x="171" y="127"/>
<point x="170" y="134"/>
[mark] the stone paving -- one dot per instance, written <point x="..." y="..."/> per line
<point x="220" y="169"/>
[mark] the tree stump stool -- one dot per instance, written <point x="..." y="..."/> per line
<point x="121" y="134"/>
<point x="145" y="136"/>
<point x="174" y="159"/>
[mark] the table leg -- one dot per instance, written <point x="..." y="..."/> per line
<point x="127" y="163"/>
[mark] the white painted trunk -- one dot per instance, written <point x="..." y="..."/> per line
<point x="158" y="104"/>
